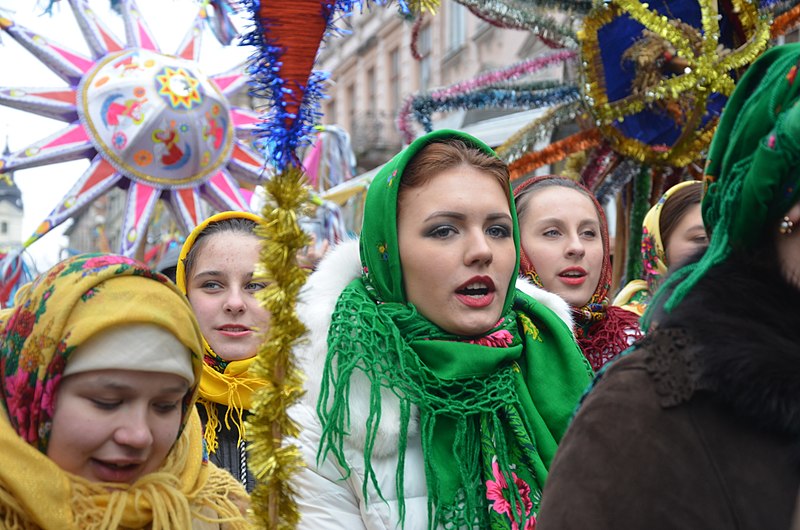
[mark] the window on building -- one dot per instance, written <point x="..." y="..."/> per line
<point x="394" y="79"/>
<point x="351" y="103"/>
<point x="457" y="17"/>
<point x="3" y="227"/>
<point x="330" y="111"/>
<point x="372" y="93"/>
<point x="424" y="49"/>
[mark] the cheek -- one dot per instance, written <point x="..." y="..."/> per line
<point x="263" y="316"/>
<point x="507" y="257"/>
<point x="596" y="257"/>
<point x="165" y="434"/>
<point x="543" y="257"/>
<point x="204" y="308"/>
<point x="75" y="431"/>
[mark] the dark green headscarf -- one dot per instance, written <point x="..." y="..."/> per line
<point x="492" y="408"/>
<point x="753" y="169"/>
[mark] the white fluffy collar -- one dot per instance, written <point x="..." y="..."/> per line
<point x="315" y="306"/>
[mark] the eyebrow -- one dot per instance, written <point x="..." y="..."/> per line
<point x="462" y="216"/>
<point x="215" y="274"/>
<point x="557" y="220"/>
<point x="113" y="385"/>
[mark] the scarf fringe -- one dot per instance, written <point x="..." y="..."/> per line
<point x="234" y="413"/>
<point x="470" y="403"/>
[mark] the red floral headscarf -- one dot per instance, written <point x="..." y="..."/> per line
<point x="603" y="331"/>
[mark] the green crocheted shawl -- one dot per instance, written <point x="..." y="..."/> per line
<point x="490" y="416"/>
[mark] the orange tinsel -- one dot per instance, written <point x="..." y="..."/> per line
<point x="785" y="22"/>
<point x="554" y="152"/>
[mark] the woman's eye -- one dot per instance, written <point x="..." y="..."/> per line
<point x="255" y="286"/>
<point x="701" y="240"/>
<point x="551" y="233"/>
<point x="105" y="404"/>
<point x="499" y="231"/>
<point x="442" y="232"/>
<point x="589" y="234"/>
<point x="166" y="407"/>
<point x="211" y="285"/>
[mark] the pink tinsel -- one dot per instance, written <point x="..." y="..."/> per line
<point x="506" y="74"/>
<point x="486" y="79"/>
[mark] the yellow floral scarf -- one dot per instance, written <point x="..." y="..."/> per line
<point x="224" y="383"/>
<point x="75" y="300"/>
<point x="635" y="296"/>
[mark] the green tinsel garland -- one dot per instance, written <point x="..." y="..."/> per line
<point x="641" y="204"/>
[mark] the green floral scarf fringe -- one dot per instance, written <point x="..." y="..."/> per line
<point x="471" y="421"/>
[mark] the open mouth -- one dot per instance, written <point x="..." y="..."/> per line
<point x="116" y="471"/>
<point x="575" y="276"/>
<point x="233" y="329"/>
<point x="475" y="290"/>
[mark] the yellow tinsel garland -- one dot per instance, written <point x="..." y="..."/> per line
<point x="272" y="462"/>
<point x="707" y="72"/>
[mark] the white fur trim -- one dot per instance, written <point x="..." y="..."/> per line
<point x="558" y="305"/>
<point x="316" y="303"/>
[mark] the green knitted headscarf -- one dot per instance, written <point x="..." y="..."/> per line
<point x="492" y="409"/>
<point x="753" y="171"/>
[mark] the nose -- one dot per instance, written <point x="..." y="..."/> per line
<point x="234" y="303"/>
<point x="134" y="429"/>
<point x="479" y="250"/>
<point x="575" y="248"/>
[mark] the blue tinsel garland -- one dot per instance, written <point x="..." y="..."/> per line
<point x="279" y="143"/>
<point x="423" y="107"/>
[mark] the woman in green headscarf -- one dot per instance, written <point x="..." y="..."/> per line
<point x="698" y="426"/>
<point x="439" y="387"/>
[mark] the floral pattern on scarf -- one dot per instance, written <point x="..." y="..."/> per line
<point x="36" y="346"/>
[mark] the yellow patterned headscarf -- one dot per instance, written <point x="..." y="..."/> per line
<point x="222" y="382"/>
<point x="636" y="294"/>
<point x="54" y="315"/>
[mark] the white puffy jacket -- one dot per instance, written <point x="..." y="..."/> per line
<point x="326" y="498"/>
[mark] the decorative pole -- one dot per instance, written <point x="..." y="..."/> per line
<point x="287" y="35"/>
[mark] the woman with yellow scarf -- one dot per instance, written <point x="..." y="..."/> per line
<point x="99" y="368"/>
<point x="216" y="271"/>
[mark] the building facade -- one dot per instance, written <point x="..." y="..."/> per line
<point x="373" y="70"/>
<point x="11" y="210"/>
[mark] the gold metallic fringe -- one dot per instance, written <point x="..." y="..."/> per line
<point x="422" y="6"/>
<point x="272" y="462"/>
<point x="708" y="70"/>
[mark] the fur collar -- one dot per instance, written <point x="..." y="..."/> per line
<point x="316" y="303"/>
<point x="743" y="324"/>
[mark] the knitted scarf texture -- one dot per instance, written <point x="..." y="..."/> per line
<point x="751" y="174"/>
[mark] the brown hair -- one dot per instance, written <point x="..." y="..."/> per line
<point x="237" y="225"/>
<point x="441" y="156"/>
<point x="523" y="197"/>
<point x="675" y="207"/>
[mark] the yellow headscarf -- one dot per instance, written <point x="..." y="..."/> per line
<point x="58" y="312"/>
<point x="232" y="386"/>
<point x="636" y="294"/>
